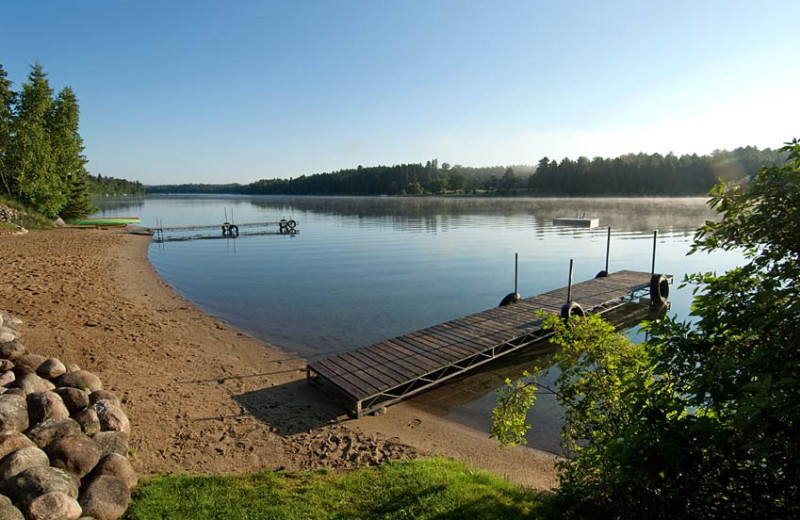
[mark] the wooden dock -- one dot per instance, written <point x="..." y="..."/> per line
<point x="384" y="373"/>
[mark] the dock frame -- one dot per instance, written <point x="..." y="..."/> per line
<point x="382" y="374"/>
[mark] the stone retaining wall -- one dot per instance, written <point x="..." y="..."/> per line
<point x="63" y="439"/>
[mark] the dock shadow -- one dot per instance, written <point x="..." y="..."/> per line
<point x="292" y="408"/>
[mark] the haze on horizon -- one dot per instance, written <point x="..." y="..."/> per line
<point x="212" y="92"/>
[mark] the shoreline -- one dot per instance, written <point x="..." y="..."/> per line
<point x="203" y="397"/>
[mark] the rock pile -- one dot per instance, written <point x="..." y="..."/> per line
<point x="63" y="439"/>
<point x="7" y="214"/>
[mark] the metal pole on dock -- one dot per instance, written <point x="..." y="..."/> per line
<point x="516" y="272"/>
<point x="569" y="285"/>
<point x="608" y="247"/>
<point x="653" y="266"/>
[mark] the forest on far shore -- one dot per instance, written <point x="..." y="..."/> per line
<point x="627" y="175"/>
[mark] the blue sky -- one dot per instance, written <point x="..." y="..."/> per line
<point x="235" y="91"/>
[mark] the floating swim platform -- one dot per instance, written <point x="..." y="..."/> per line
<point x="577" y="222"/>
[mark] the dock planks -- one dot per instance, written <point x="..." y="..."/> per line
<point x="381" y="374"/>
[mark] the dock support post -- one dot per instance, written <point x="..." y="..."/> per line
<point x="653" y="265"/>
<point x="608" y="247"/>
<point x="569" y="285"/>
<point x="516" y="273"/>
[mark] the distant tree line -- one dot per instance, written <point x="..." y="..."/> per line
<point x="627" y="175"/>
<point x="41" y="152"/>
<point x="99" y="185"/>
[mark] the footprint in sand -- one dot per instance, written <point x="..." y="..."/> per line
<point x="413" y="424"/>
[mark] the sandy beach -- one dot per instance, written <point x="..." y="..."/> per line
<point x="202" y="397"/>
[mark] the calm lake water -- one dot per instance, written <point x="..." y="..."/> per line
<point x="361" y="270"/>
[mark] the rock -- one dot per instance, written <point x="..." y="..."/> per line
<point x="4" y="500"/>
<point x="77" y="454"/>
<point x="112" y="442"/>
<point x="88" y="421"/>
<point x="10" y="512"/>
<point x="104" y="395"/>
<point x="46" y="405"/>
<point x="13" y="413"/>
<point x="13" y="441"/>
<point x="51" y="369"/>
<point x="7" y="334"/>
<point x="32" y="361"/>
<point x="59" y="222"/>
<point x="6" y="378"/>
<point x="21" y="460"/>
<point x="12" y="350"/>
<point x="80" y="379"/>
<point x="9" y="320"/>
<point x="72" y="367"/>
<point x="51" y="429"/>
<point x="31" y="383"/>
<point x="38" y="480"/>
<point x="118" y="466"/>
<point x="15" y="391"/>
<point x="111" y="416"/>
<point x="74" y="399"/>
<point x="54" y="506"/>
<point x="105" y="498"/>
<point x="5" y="365"/>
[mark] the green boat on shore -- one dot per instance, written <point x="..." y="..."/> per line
<point x="106" y="221"/>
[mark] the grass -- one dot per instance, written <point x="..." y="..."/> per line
<point x="424" y="489"/>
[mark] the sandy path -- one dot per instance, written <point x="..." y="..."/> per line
<point x="203" y="397"/>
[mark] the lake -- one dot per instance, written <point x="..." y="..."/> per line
<point x="361" y="270"/>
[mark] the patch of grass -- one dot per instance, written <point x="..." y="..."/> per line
<point x="424" y="489"/>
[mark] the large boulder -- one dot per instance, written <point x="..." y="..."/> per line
<point x="31" y="361"/>
<point x="74" y="399"/>
<point x="6" y="364"/>
<point x="13" y="441"/>
<point x="80" y="379"/>
<point x="7" y="334"/>
<point x="51" y="429"/>
<point x="112" y="442"/>
<point x="77" y="454"/>
<point x="54" y="506"/>
<point x="10" y="512"/>
<point x="105" y="498"/>
<point x="88" y="421"/>
<point x="12" y="350"/>
<point x="31" y="383"/>
<point x="118" y="466"/>
<point x="7" y="377"/>
<point x="104" y="395"/>
<point x="38" y="480"/>
<point x="51" y="369"/>
<point x="111" y="416"/>
<point x="46" y="405"/>
<point x="21" y="460"/>
<point x="13" y="413"/>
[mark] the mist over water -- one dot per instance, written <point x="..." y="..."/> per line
<point x="362" y="270"/>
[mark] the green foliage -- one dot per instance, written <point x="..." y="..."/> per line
<point x="424" y="489"/>
<point x="106" y="186"/>
<point x="41" y="161"/>
<point x="703" y="420"/>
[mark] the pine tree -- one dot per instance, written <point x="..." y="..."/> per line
<point x="67" y="148"/>
<point x="33" y="177"/>
<point x="6" y="115"/>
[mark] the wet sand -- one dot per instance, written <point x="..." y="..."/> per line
<point x="202" y="397"/>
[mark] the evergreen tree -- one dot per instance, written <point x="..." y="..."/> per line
<point x="32" y="168"/>
<point x="67" y="147"/>
<point x="6" y="115"/>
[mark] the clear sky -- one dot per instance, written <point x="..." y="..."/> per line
<point x="235" y="91"/>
